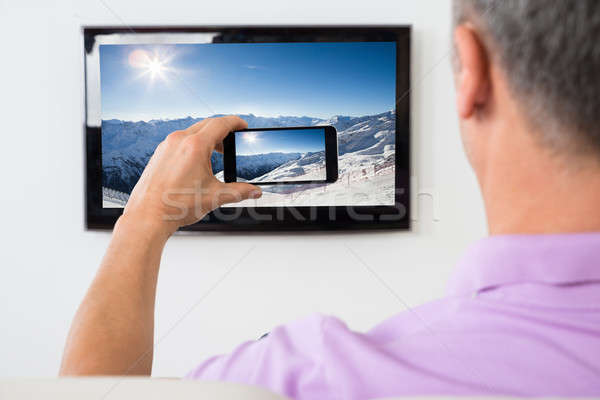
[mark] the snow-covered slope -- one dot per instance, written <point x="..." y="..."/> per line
<point x="310" y="166"/>
<point x="362" y="143"/>
<point x="251" y="167"/>
<point x="367" y="135"/>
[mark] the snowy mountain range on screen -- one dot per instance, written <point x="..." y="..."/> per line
<point x="127" y="146"/>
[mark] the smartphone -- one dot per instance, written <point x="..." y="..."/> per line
<point x="281" y="156"/>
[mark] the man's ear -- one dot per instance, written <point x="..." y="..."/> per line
<point x="472" y="84"/>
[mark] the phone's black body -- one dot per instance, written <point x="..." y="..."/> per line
<point x="331" y="156"/>
<point x="368" y="217"/>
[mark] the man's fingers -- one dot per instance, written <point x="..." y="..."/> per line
<point x="218" y="128"/>
<point x="236" y="192"/>
<point x="196" y="127"/>
<point x="210" y="132"/>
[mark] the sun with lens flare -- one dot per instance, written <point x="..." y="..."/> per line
<point x="155" y="65"/>
<point x="250" y="137"/>
<point x="155" y="68"/>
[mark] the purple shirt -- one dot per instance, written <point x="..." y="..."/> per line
<point x="522" y="318"/>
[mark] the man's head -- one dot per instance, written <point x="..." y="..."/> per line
<point x="528" y="85"/>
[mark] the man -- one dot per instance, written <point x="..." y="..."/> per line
<point x="523" y="313"/>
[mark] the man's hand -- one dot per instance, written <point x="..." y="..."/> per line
<point x="178" y="187"/>
<point x="113" y="330"/>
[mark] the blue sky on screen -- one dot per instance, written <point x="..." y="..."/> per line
<point x="292" y="141"/>
<point x="143" y="82"/>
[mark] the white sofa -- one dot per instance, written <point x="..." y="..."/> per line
<point x="126" y="389"/>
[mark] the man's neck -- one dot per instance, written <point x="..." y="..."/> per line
<point x="530" y="190"/>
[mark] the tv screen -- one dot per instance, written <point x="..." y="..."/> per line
<point x="150" y="84"/>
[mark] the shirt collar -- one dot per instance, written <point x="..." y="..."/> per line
<point x="566" y="259"/>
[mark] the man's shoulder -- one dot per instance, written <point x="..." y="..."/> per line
<point x="463" y="345"/>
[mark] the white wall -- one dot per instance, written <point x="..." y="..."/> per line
<point x="47" y="259"/>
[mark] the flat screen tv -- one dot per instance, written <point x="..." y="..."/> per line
<point x="142" y="83"/>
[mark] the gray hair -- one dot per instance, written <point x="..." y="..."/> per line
<point x="550" y="51"/>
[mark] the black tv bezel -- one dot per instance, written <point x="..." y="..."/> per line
<point x="331" y="156"/>
<point x="277" y="218"/>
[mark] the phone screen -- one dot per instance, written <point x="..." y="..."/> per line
<point x="275" y="156"/>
